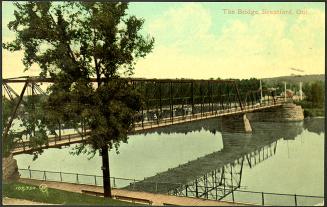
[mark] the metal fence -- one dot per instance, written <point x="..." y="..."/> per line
<point x="273" y="199"/>
<point x="154" y="123"/>
<point x="97" y="180"/>
<point x="241" y="196"/>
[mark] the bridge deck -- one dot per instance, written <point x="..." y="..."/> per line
<point x="76" y="138"/>
<point x="157" y="199"/>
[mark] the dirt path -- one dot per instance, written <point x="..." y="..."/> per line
<point x="14" y="201"/>
<point x="157" y="199"/>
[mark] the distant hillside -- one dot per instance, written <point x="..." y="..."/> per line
<point x="295" y="79"/>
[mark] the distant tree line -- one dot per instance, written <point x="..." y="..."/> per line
<point x="314" y="99"/>
<point x="315" y="94"/>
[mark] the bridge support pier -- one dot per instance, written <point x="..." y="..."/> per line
<point x="247" y="125"/>
<point x="284" y="113"/>
<point x="236" y="123"/>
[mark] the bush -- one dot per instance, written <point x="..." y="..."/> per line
<point x="314" y="112"/>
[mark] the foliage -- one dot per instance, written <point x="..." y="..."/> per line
<point x="249" y="84"/>
<point x="73" y="42"/>
<point x="314" y="112"/>
<point x="294" y="79"/>
<point x="55" y="196"/>
<point x="7" y="108"/>
<point x="314" y="95"/>
<point x="314" y="102"/>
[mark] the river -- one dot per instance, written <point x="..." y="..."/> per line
<point x="296" y="164"/>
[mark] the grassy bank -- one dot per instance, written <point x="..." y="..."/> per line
<point x="55" y="196"/>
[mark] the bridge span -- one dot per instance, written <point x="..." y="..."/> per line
<point x="58" y="141"/>
<point x="167" y="102"/>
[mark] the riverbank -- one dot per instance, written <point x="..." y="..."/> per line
<point x="19" y="192"/>
<point x="311" y="110"/>
<point x="314" y="112"/>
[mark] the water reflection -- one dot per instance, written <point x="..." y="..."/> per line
<point x="315" y="125"/>
<point x="217" y="174"/>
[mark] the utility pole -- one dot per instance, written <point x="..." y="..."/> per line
<point x="300" y="90"/>
<point x="260" y="92"/>
<point x="285" y="91"/>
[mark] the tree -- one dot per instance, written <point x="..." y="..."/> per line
<point x="7" y="108"/>
<point x="316" y="94"/>
<point x="73" y="42"/>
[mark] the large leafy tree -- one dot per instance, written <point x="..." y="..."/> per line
<point x="315" y="93"/>
<point x="73" y="42"/>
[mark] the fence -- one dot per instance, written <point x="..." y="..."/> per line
<point x="154" y="123"/>
<point x="268" y="199"/>
<point x="78" y="178"/>
<point x="245" y="196"/>
<point x="71" y="138"/>
<point x="26" y="144"/>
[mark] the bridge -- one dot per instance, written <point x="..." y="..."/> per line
<point x="167" y="102"/>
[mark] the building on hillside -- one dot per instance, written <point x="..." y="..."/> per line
<point x="297" y="96"/>
<point x="289" y="93"/>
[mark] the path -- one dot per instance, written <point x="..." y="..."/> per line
<point x="15" y="201"/>
<point x="157" y="199"/>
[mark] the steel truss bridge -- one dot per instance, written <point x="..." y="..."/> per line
<point x="167" y="102"/>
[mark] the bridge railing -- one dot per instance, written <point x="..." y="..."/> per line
<point x="245" y="196"/>
<point x="70" y="138"/>
<point x="266" y="101"/>
<point x="25" y="145"/>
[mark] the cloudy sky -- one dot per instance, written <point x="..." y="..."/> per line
<point x="201" y="40"/>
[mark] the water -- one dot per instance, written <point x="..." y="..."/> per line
<point x="296" y="168"/>
<point x="296" y="164"/>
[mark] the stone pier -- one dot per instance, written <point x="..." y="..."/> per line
<point x="9" y="169"/>
<point x="286" y="112"/>
<point x="236" y="123"/>
<point x="242" y="122"/>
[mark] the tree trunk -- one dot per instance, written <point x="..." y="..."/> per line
<point x="106" y="172"/>
<point x="104" y="150"/>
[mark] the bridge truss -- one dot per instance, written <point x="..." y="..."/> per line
<point x="222" y="182"/>
<point x="165" y="100"/>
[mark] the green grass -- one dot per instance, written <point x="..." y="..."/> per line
<point x="33" y="193"/>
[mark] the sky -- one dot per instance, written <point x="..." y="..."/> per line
<point x="217" y="39"/>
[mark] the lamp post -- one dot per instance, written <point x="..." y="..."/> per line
<point x="285" y="91"/>
<point x="301" y="91"/>
<point x="260" y="92"/>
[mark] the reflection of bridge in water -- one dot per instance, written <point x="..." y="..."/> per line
<point x="218" y="174"/>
